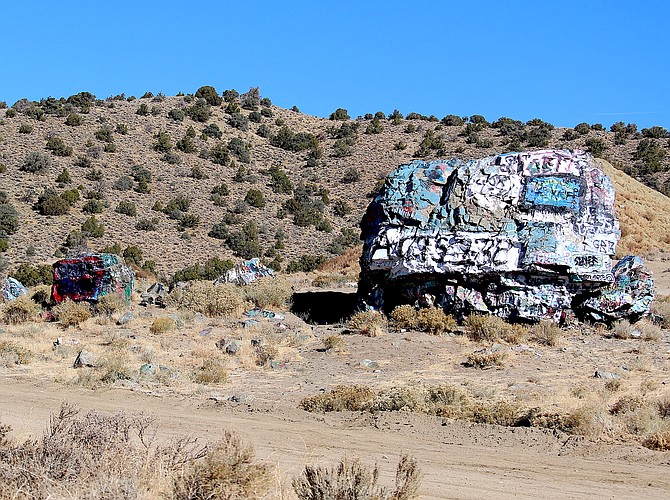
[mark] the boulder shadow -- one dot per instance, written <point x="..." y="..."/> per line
<point x="324" y="307"/>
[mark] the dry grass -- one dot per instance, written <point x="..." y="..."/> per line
<point x="209" y="299"/>
<point x="163" y="325"/>
<point x="341" y="398"/>
<point x="404" y="317"/>
<point x="368" y="323"/>
<point x="659" y="441"/>
<point x="485" y="359"/>
<point x="351" y="480"/>
<point x="546" y="333"/>
<point x="20" y="310"/>
<point x="435" y="321"/>
<point x="98" y="455"/>
<point x="12" y="353"/>
<point x="71" y="313"/>
<point x="109" y="304"/>
<point x="212" y="371"/>
<point x="334" y="343"/>
<point x="269" y="292"/>
<point x="492" y="328"/>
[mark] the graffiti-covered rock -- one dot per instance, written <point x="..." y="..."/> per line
<point x="520" y="235"/>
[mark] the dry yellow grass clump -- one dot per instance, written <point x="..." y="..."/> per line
<point x="18" y="311"/>
<point x="71" y="313"/>
<point x="368" y="323"/>
<point x="492" y="328"/>
<point x="209" y="299"/>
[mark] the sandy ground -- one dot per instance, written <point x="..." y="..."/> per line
<point x="457" y="459"/>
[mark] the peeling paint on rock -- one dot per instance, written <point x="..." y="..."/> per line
<point x="519" y="235"/>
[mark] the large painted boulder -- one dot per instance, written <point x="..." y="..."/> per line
<point x="91" y="276"/>
<point x="520" y="235"/>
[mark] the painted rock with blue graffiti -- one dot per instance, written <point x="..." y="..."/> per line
<point x="519" y="235"/>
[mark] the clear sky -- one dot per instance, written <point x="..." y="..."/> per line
<point x="598" y="61"/>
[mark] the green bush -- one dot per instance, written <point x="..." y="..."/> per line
<point x="452" y="121"/>
<point x="212" y="130"/>
<point x="210" y="95"/>
<point x="142" y="110"/>
<point x="264" y="131"/>
<point x="74" y="120"/>
<point x="127" y="208"/>
<point x="71" y="196"/>
<point x="212" y="269"/>
<point x="186" y="145"/>
<point x="348" y="237"/>
<point x="133" y="255"/>
<point x="340" y="114"/>
<point x="177" y="114"/>
<point x="596" y="146"/>
<point x="245" y="243"/>
<point x="200" y="111"/>
<point x="25" y="128"/>
<point x="375" y="127"/>
<point x="343" y="147"/>
<point x="219" y="154"/>
<point x="292" y="141"/>
<point x="30" y="275"/>
<point x="35" y="162"/>
<point x="655" y="132"/>
<point x="255" y="198"/>
<point x="93" y="228"/>
<point x="582" y="128"/>
<point x="351" y="175"/>
<point x="431" y="144"/>
<point x="237" y="147"/>
<point x="219" y="231"/>
<point x="238" y="121"/>
<point x="4" y="245"/>
<point x="251" y="99"/>
<point x="280" y="182"/>
<point x="93" y="207"/>
<point x="305" y="264"/>
<point x="650" y="155"/>
<point x="9" y="219"/>
<point x="123" y="183"/>
<point x="163" y="142"/>
<point x="64" y="177"/>
<point x="50" y="203"/>
<point x="187" y="221"/>
<point x="147" y="224"/>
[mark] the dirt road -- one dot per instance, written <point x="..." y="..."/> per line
<point x="457" y="459"/>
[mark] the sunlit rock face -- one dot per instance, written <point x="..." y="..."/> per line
<point x="520" y="235"/>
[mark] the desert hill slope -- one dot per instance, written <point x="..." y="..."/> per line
<point x="300" y="179"/>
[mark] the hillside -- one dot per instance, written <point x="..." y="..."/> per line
<point x="146" y="153"/>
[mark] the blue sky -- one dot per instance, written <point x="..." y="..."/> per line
<point x="565" y="62"/>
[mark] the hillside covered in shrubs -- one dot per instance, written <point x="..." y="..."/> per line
<point x="183" y="185"/>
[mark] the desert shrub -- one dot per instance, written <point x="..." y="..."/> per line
<point x="286" y="139"/>
<point x="435" y="321"/>
<point x="346" y="239"/>
<point x="9" y="219"/>
<point x="19" y="310"/>
<point x="163" y="325"/>
<point x="251" y="99"/>
<point x="569" y="135"/>
<point x="596" y="146"/>
<point x="333" y="343"/>
<point x="93" y="228"/>
<point x="200" y="111"/>
<point x="546" y="332"/>
<point x="187" y="221"/>
<point x="582" y="128"/>
<point x="431" y="144"/>
<point x="254" y="198"/>
<point x="4" y="245"/>
<point x="340" y="398"/>
<point x="655" y="132"/>
<point x="374" y="127"/>
<point x="229" y="470"/>
<point x="212" y="130"/>
<point x="340" y="114"/>
<point x="133" y="255"/>
<point x="121" y="128"/>
<point x="269" y="292"/>
<point x="177" y="114"/>
<point x="404" y="316"/>
<point x="32" y="275"/>
<point x="491" y="328"/>
<point x="71" y="313"/>
<point x="147" y="224"/>
<point x="280" y="182"/>
<point x="163" y="142"/>
<point x="650" y="155"/>
<point x="142" y="109"/>
<point x="368" y="323"/>
<point x="352" y="174"/>
<point x="305" y="264"/>
<point x="210" y="95"/>
<point x="56" y="145"/>
<point x="209" y="299"/>
<point x="212" y="371"/>
<point x="35" y="162"/>
<point x="13" y="353"/>
<point x="109" y="304"/>
<point x="25" y="128"/>
<point x="341" y="208"/>
<point x="343" y="147"/>
<point x="264" y="131"/>
<point x="93" y="207"/>
<point x="239" y="149"/>
<point x="211" y="269"/>
<point x="50" y="203"/>
<point x="238" y="121"/>
<point x="485" y="359"/>
<point x="245" y="243"/>
<point x="127" y="208"/>
<point x="351" y="480"/>
<point x="64" y="177"/>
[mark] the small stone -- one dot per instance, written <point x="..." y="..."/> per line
<point x="147" y="368"/>
<point x="256" y="342"/>
<point x="199" y="318"/>
<point x="126" y="318"/>
<point x="205" y="332"/>
<point x="605" y="375"/>
<point x="233" y="347"/>
<point x="178" y="321"/>
<point x="221" y="343"/>
<point x="368" y="363"/>
<point x="84" y="358"/>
